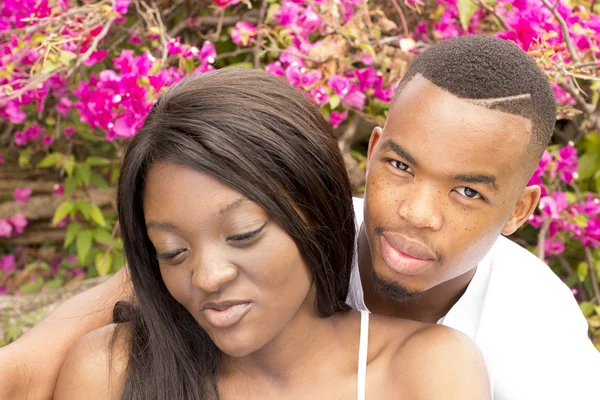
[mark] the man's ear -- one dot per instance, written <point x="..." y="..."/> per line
<point x="375" y="136"/>
<point x="523" y="209"/>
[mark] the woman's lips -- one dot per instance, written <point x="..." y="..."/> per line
<point x="404" y="257"/>
<point x="226" y="317"/>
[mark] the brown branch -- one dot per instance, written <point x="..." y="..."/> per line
<point x="237" y="52"/>
<point x="402" y="17"/>
<point x="492" y="10"/>
<point x="259" y="38"/>
<point x="564" y="28"/>
<point x="592" y="272"/>
<point x="541" y="249"/>
<point x="275" y="50"/>
<point x="163" y="36"/>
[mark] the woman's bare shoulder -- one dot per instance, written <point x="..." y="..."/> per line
<point x="95" y="367"/>
<point x="437" y="362"/>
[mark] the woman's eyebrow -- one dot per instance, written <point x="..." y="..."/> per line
<point x="232" y="205"/>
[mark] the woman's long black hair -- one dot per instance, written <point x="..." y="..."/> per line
<point x="262" y="137"/>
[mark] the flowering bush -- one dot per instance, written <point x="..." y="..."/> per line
<point x="78" y="78"/>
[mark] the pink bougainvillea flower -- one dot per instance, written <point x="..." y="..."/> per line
<point x="121" y="6"/>
<point x="592" y="206"/>
<point x="20" y="138"/>
<point x="8" y="264"/>
<point x="355" y="99"/>
<point x="1" y="159"/>
<point x="69" y="131"/>
<point x="58" y="189"/>
<point x="63" y="106"/>
<point x="320" y="95"/>
<point x="337" y="118"/>
<point x="553" y="206"/>
<point x="21" y="195"/>
<point x="275" y="68"/>
<point x="225" y="3"/>
<point x="243" y="33"/>
<point x="95" y="57"/>
<point x="288" y="13"/>
<point x="591" y="235"/>
<point x="339" y="85"/>
<point x="33" y="132"/>
<point x="309" y="20"/>
<point x="554" y="246"/>
<point x="5" y="228"/>
<point x="208" y="53"/>
<point x="567" y="163"/>
<point x="19" y="222"/>
<point x="47" y="140"/>
<point x="13" y="113"/>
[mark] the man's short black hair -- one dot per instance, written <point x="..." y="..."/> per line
<point x="493" y="73"/>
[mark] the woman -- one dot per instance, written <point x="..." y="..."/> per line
<point x="236" y="216"/>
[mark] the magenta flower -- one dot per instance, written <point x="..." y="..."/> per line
<point x="337" y="118"/>
<point x="69" y="131"/>
<point x="591" y="235"/>
<point x="225" y="3"/>
<point x="355" y="99"/>
<point x="13" y="113"/>
<point x="367" y="78"/>
<point x="553" y="206"/>
<point x="208" y="53"/>
<point x="21" y="138"/>
<point x="8" y="264"/>
<point x="243" y="33"/>
<point x="33" y="132"/>
<point x="21" y="195"/>
<point x="275" y="68"/>
<point x="47" y="140"/>
<point x="63" y="106"/>
<point x="58" y="189"/>
<point x="121" y="6"/>
<point x="5" y="228"/>
<point x="592" y="206"/>
<point x="288" y="13"/>
<point x="320" y="95"/>
<point x="567" y="163"/>
<point x="554" y="246"/>
<point x="95" y="58"/>
<point x="1" y="159"/>
<point x="309" y="20"/>
<point x="19" y="222"/>
<point x="339" y="85"/>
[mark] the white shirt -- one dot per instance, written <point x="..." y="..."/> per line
<point x="526" y="322"/>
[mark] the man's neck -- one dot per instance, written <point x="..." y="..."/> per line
<point x="430" y="306"/>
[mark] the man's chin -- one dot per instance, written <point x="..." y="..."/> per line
<point x="392" y="289"/>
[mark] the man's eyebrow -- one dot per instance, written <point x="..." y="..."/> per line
<point x="160" y="225"/>
<point x="488" y="180"/>
<point x="232" y="205"/>
<point x="401" y="151"/>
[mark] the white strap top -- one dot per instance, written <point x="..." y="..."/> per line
<point x="361" y="389"/>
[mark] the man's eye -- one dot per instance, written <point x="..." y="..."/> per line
<point x="468" y="192"/>
<point x="400" y="165"/>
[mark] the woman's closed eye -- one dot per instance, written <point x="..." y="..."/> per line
<point x="173" y="256"/>
<point x="245" y="238"/>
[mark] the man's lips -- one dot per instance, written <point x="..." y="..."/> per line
<point x="225" y="314"/>
<point x="406" y="256"/>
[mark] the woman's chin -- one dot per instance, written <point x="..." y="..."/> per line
<point x="237" y="347"/>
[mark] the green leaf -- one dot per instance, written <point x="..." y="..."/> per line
<point x="84" y="172"/>
<point x="582" y="271"/>
<point x="31" y="287"/>
<point x="466" y="9"/>
<point x="38" y="38"/>
<point x="69" y="187"/>
<point x="72" y="231"/>
<point x="84" y="244"/>
<point x="581" y="221"/>
<point x="49" y="66"/>
<point x="118" y="244"/>
<point x="103" y="262"/>
<point x="96" y="215"/>
<point x="334" y="101"/>
<point x="84" y="207"/>
<point x="94" y="161"/>
<point x="571" y="197"/>
<point x="98" y="181"/>
<point x="50" y="160"/>
<point x="103" y="236"/>
<point x="248" y="65"/>
<point x="597" y="181"/>
<point x="589" y="163"/>
<point x="118" y="259"/>
<point x="70" y="165"/>
<point x="24" y="158"/>
<point x="368" y="48"/>
<point x="587" y="308"/>
<point x="87" y="135"/>
<point x="62" y="211"/>
<point x="54" y="283"/>
<point x="66" y="57"/>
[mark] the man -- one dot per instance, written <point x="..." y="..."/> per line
<point x="446" y="176"/>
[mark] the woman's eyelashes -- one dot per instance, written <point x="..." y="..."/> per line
<point x="171" y="256"/>
<point x="246" y="238"/>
